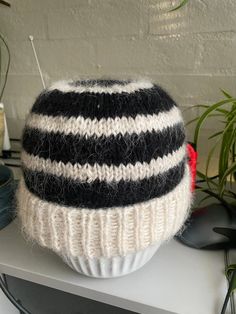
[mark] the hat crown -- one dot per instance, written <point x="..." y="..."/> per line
<point x="117" y="142"/>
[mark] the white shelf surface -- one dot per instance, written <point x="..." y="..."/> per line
<point x="177" y="279"/>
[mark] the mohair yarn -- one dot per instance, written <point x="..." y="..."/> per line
<point x="105" y="173"/>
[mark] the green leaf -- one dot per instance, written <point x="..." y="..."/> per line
<point x="209" y="157"/>
<point x="0" y="65"/>
<point x="229" y="270"/>
<point x="223" y="111"/>
<point x="206" y="114"/>
<point x="227" y="95"/>
<point x="191" y="121"/>
<point x="230" y="170"/>
<point x="215" y="135"/>
<point x="231" y="194"/>
<point x="233" y="151"/>
<point x="231" y="114"/>
<point x="228" y="139"/>
<point x="5" y="3"/>
<point x="7" y="67"/>
<point x="210" y="116"/>
<point x="231" y="276"/>
<point x="182" y="3"/>
<point x="213" y="194"/>
<point x="201" y="175"/>
<point x="217" y="115"/>
<point x="201" y="106"/>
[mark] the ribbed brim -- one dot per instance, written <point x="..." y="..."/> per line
<point x="117" y="231"/>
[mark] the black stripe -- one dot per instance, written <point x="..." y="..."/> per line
<point x="90" y="105"/>
<point x="100" y="83"/>
<point x="112" y="150"/>
<point x="101" y="194"/>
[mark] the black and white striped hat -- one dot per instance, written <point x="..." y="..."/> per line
<point x="105" y="170"/>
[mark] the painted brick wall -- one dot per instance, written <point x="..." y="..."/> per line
<point x="190" y="52"/>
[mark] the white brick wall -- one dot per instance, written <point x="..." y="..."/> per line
<point x="100" y="19"/>
<point x="190" y="52"/>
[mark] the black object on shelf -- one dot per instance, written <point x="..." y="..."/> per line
<point x="212" y="227"/>
<point x="15" y="302"/>
<point x="6" y="154"/>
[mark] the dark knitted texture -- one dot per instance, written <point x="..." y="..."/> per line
<point x="112" y="150"/>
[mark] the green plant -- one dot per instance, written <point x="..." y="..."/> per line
<point x="182" y="3"/>
<point x="220" y="185"/>
<point x="3" y="77"/>
<point x="5" y="3"/>
<point x="3" y="45"/>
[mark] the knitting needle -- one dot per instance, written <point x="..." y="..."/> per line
<point x="31" y="38"/>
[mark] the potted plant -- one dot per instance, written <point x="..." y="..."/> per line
<point x="4" y="140"/>
<point x="3" y="44"/>
<point x="209" y="227"/>
<point x="4" y="60"/>
<point x="221" y="185"/>
<point x="214" y="226"/>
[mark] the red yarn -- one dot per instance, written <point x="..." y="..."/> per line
<point x="192" y="164"/>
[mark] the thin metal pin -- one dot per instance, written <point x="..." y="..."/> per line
<point x="31" y="38"/>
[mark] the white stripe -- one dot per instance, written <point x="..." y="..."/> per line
<point x="130" y="87"/>
<point x="89" y="173"/>
<point x="105" y="127"/>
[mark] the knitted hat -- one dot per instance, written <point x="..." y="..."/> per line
<point x="106" y="178"/>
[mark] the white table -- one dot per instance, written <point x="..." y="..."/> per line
<point x="177" y="279"/>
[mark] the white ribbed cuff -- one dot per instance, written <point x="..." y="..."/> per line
<point x="93" y="233"/>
